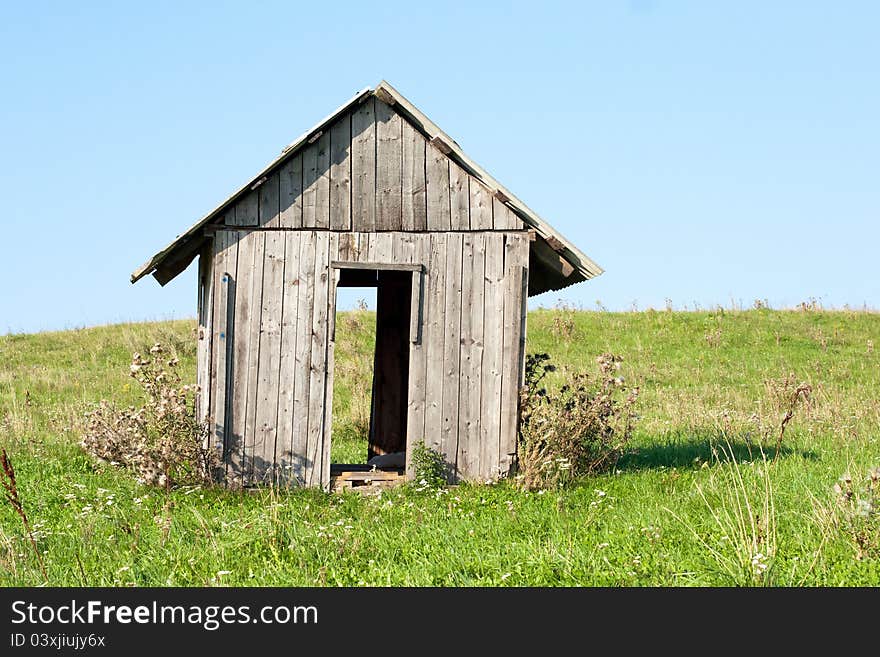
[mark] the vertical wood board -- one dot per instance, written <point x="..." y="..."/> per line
<point x="437" y="181"/>
<point x="290" y="192"/>
<point x="470" y="387"/>
<point x="481" y="206"/>
<point x="434" y="335"/>
<point x="302" y="386"/>
<point x="284" y="454"/>
<point x="451" y="349"/>
<point x="268" y="367"/>
<point x="340" y="174"/>
<point x="251" y="380"/>
<point x="389" y="160"/>
<point x="491" y="374"/>
<point x="269" y="208"/>
<point x="459" y="198"/>
<point x="363" y="167"/>
<point x="516" y="250"/>
<point x="318" y="366"/>
<point x="413" y="193"/>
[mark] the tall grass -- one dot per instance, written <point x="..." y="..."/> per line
<point x="741" y="540"/>
<point x="94" y="524"/>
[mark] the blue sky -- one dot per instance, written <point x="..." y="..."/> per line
<point x="708" y="153"/>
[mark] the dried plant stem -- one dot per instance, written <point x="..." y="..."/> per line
<point x="11" y="491"/>
<point x="82" y="571"/>
<point x="802" y="390"/>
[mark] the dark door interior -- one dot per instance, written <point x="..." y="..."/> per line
<point x="391" y="369"/>
<point x="388" y="408"/>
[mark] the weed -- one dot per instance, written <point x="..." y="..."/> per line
<point x="579" y="429"/>
<point x="564" y="326"/>
<point x="713" y="338"/>
<point x="854" y="512"/>
<point x="811" y="305"/>
<point x="782" y="398"/>
<point x="428" y="466"/>
<point x="801" y="392"/>
<point x="161" y="441"/>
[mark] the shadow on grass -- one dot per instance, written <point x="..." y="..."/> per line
<point x="693" y="451"/>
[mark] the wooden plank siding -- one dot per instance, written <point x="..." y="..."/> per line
<point x="288" y="468"/>
<point x="268" y="365"/>
<point x="413" y="185"/>
<point x="389" y="163"/>
<point x="515" y="287"/>
<point x="503" y="217"/>
<point x="433" y="330"/>
<point x="416" y="402"/>
<point x="249" y="384"/>
<point x="340" y="174"/>
<point x="303" y="358"/>
<point x="224" y="265"/>
<point x="452" y="311"/>
<point x="291" y="188"/>
<point x="459" y="198"/>
<point x="318" y="362"/>
<point x="372" y="170"/>
<point x="464" y="370"/>
<point x="481" y="204"/>
<point x="239" y="334"/>
<point x="363" y="167"/>
<point x="329" y="360"/>
<point x="270" y="197"/>
<point x="437" y="189"/>
<point x="246" y="210"/>
<point x="471" y="357"/>
<point x="493" y="331"/>
<point x="316" y="183"/>
<point x="204" y="337"/>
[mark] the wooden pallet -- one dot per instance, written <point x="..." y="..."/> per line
<point x="364" y="479"/>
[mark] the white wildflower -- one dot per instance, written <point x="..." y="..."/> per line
<point x="759" y="563"/>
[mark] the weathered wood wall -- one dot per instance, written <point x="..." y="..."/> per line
<point x="272" y="333"/>
<point x="370" y="189"/>
<point x="372" y="171"/>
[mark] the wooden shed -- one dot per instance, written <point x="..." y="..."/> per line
<point x="374" y="195"/>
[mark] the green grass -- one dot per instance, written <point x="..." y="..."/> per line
<point x="665" y="516"/>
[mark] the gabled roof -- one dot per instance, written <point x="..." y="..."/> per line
<point x="551" y="249"/>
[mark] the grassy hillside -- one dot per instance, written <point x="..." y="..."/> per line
<point x="676" y="510"/>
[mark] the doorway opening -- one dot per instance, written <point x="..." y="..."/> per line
<point x="371" y="377"/>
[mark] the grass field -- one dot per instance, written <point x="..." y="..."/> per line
<point x="677" y="510"/>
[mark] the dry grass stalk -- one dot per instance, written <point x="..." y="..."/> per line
<point x="11" y="490"/>
<point x="162" y="441"/>
<point x="801" y="392"/>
